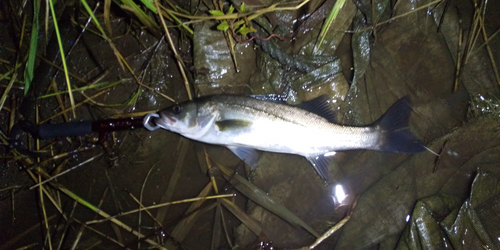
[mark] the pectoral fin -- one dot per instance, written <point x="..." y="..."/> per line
<point x="248" y="155"/>
<point x="226" y="125"/>
<point x="320" y="164"/>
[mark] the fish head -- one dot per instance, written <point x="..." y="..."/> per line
<point x="191" y="119"/>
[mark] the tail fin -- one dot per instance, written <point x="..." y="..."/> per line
<point x="395" y="135"/>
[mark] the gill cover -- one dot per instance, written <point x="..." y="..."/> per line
<point x="186" y="119"/>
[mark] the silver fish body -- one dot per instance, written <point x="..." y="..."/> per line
<point x="244" y="124"/>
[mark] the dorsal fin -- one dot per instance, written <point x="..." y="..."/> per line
<point x="277" y="98"/>
<point x="321" y="107"/>
<point x="318" y="105"/>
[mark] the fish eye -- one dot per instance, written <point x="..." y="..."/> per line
<point x="177" y="109"/>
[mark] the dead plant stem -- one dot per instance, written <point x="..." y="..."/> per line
<point x="490" y="53"/>
<point x="180" y="62"/>
<point x="399" y="16"/>
<point x="162" y="205"/>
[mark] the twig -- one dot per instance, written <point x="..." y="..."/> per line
<point x="161" y="205"/>
<point x="45" y="218"/>
<point x="7" y="90"/>
<point x="459" y="56"/>
<point x="140" y="205"/>
<point x="105" y="215"/>
<point x="490" y="53"/>
<point x="66" y="171"/>
<point x="398" y="16"/>
<point x="335" y="228"/>
<point x="177" y="56"/>
<point x="209" y="166"/>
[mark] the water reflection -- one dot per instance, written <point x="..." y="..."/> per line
<point x="338" y="195"/>
<point x="330" y="154"/>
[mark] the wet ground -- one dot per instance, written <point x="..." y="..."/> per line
<point x="392" y="200"/>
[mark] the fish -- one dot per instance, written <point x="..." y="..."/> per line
<point x="245" y="124"/>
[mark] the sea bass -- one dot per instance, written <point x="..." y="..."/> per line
<point x="245" y="124"/>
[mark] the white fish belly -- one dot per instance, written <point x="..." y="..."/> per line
<point x="288" y="137"/>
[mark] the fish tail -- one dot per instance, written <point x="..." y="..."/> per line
<point x="394" y="133"/>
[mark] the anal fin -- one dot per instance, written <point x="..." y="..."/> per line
<point x="320" y="164"/>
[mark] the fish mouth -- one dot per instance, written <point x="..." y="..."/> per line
<point x="166" y="122"/>
<point x="171" y="120"/>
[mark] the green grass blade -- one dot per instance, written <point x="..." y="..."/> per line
<point x="100" y="85"/>
<point x="149" y="5"/>
<point x="326" y="26"/>
<point x="63" y="56"/>
<point x="180" y="23"/>
<point x="139" y="13"/>
<point x="30" y="64"/>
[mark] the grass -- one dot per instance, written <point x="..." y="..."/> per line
<point x="63" y="55"/>
<point x="328" y="22"/>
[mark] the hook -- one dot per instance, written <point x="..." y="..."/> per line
<point x="147" y="122"/>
